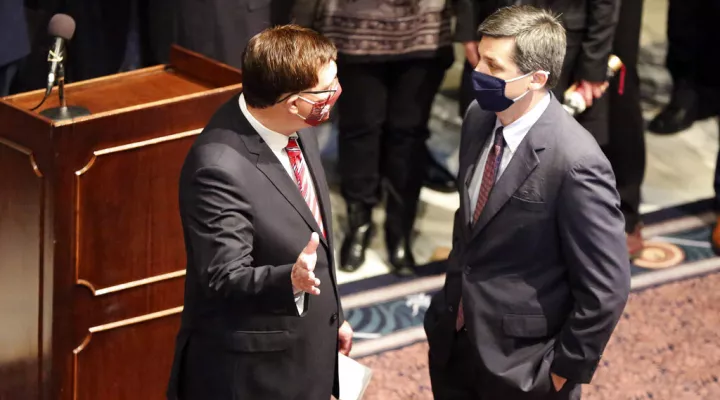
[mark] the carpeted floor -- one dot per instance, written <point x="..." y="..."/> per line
<point x="666" y="347"/>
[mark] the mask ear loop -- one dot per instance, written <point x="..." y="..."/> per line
<point x="307" y="100"/>
<point x="526" y="75"/>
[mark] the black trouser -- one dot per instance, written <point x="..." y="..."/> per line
<point x="465" y="378"/>
<point x="626" y="146"/>
<point x="692" y="59"/>
<point x="690" y="29"/>
<point x="384" y="111"/>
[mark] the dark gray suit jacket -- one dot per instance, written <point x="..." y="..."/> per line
<point x="544" y="273"/>
<point x="245" y="223"/>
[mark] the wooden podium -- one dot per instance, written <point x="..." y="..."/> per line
<point x="92" y="257"/>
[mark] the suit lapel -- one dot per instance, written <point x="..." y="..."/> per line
<point x="520" y="167"/>
<point x="469" y="164"/>
<point x="271" y="167"/>
<point x="523" y="163"/>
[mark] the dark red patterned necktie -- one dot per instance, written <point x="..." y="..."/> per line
<point x="492" y="166"/>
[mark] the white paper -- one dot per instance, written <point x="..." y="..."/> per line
<point x="354" y="378"/>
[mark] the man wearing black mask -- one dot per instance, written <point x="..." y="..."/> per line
<point x="537" y="278"/>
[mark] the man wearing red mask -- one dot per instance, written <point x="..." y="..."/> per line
<point x="262" y="317"/>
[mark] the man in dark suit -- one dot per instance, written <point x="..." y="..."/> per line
<point x="538" y="275"/>
<point x="14" y="42"/>
<point x="220" y="29"/>
<point x="262" y="317"/>
<point x="590" y="27"/>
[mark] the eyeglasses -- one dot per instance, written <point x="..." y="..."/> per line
<point x="331" y="91"/>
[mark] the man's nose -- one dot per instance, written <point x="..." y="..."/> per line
<point x="482" y="67"/>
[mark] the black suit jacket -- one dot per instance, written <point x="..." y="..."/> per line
<point x="544" y="273"/>
<point x="14" y="40"/>
<point x="220" y="29"/>
<point x="245" y="223"/>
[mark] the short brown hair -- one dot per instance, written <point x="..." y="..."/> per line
<point x="540" y="42"/>
<point x="283" y="59"/>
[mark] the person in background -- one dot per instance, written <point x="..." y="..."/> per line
<point x="220" y="29"/>
<point x="14" y="42"/>
<point x="693" y="66"/>
<point x="714" y="9"/>
<point x="715" y="237"/>
<point x="538" y="276"/>
<point x="392" y="57"/>
<point x="626" y="145"/>
<point x="262" y="316"/>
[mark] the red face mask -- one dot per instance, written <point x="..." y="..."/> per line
<point x="321" y="109"/>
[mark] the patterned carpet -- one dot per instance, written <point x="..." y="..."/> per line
<point x="666" y="346"/>
<point x="387" y="312"/>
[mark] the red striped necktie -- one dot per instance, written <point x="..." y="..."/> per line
<point x="304" y="181"/>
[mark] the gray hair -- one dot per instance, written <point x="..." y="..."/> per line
<point x="540" y="41"/>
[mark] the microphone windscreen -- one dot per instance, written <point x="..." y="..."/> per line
<point x="62" y="25"/>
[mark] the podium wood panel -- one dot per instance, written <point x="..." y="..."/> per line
<point x="113" y="352"/>
<point x="92" y="258"/>
<point x="20" y="250"/>
<point x="136" y="239"/>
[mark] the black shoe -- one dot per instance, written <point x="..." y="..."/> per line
<point x="673" y="119"/>
<point x="680" y="114"/>
<point x="357" y="239"/>
<point x="400" y="255"/>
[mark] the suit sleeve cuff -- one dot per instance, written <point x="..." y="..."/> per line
<point x="301" y="301"/>
<point x="279" y="283"/>
<point x="580" y="371"/>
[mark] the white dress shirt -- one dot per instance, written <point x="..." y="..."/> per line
<point x="514" y="135"/>
<point x="277" y="143"/>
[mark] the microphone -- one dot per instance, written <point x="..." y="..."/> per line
<point x="61" y="28"/>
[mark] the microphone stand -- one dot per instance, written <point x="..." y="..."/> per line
<point x="64" y="111"/>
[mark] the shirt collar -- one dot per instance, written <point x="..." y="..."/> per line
<point x="516" y="131"/>
<point x="275" y="140"/>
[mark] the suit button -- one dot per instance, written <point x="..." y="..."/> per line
<point x="451" y="309"/>
<point x="333" y="318"/>
<point x="467" y="270"/>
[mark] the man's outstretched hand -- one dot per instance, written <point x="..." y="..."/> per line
<point x="302" y="275"/>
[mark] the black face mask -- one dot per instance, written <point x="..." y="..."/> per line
<point x="490" y="91"/>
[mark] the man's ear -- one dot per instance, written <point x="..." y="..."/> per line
<point x="539" y="80"/>
<point x="291" y="104"/>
